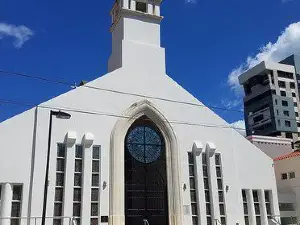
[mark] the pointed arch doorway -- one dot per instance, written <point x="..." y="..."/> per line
<point x="146" y="192"/>
<point x="118" y="213"/>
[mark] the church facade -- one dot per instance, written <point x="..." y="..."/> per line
<point x="135" y="148"/>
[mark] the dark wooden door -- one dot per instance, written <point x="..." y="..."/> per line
<point x="146" y="197"/>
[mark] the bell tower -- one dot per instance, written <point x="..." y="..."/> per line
<point x="136" y="36"/>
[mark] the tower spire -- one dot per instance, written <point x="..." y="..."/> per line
<point x="149" y="8"/>
<point x="135" y="32"/>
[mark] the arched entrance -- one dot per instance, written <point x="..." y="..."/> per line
<point x="117" y="215"/>
<point x="146" y="194"/>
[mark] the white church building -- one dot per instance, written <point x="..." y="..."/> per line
<point x="131" y="148"/>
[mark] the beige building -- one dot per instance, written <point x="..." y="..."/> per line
<point x="272" y="146"/>
<point x="287" y="170"/>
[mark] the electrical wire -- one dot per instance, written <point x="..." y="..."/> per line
<point x="66" y="83"/>
<point x="5" y="101"/>
<point x="69" y="84"/>
<point x="36" y="77"/>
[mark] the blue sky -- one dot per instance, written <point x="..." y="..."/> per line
<point x="206" y="41"/>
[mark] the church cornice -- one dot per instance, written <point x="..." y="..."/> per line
<point x="127" y="12"/>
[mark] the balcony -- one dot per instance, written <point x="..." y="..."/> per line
<point x="256" y="91"/>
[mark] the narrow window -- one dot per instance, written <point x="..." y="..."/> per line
<point x="245" y="205"/>
<point x="272" y="76"/>
<point x="283" y="93"/>
<point x="77" y="193"/>
<point x="141" y="7"/>
<point x="16" y="205"/>
<point x="289" y="135"/>
<point x="256" y="207"/>
<point x="95" y="191"/>
<point x="284" y="176"/>
<point x="59" y="184"/>
<point x="268" y="195"/>
<point x="292" y="85"/>
<point x="296" y="114"/>
<point x="219" y="174"/>
<point x="294" y="94"/>
<point x="207" y="190"/>
<point x="281" y="84"/>
<point x="287" y="123"/>
<point x="285" y="103"/>
<point x="286" y="113"/>
<point x="295" y="104"/>
<point x="193" y="191"/>
<point x="292" y="175"/>
<point x="286" y="207"/>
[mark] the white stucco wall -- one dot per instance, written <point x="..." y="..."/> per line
<point x="244" y="166"/>
<point x="17" y="146"/>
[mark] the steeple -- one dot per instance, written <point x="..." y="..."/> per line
<point x="136" y="35"/>
<point x="143" y="8"/>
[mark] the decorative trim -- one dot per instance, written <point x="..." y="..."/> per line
<point x="127" y="12"/>
<point x="211" y="148"/>
<point x="88" y="140"/>
<point x="267" y="139"/>
<point x="117" y="189"/>
<point x="70" y="138"/>
<point x="197" y="147"/>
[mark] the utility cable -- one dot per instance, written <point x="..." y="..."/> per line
<point x="12" y="102"/>
<point x="5" y="101"/>
<point x="69" y="84"/>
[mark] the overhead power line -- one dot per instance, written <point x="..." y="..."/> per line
<point x="36" y="77"/>
<point x="12" y="102"/>
<point x="6" y="101"/>
<point x="72" y="85"/>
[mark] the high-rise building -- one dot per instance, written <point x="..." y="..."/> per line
<point x="294" y="60"/>
<point x="271" y="100"/>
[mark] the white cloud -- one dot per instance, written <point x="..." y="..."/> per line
<point x="191" y="1"/>
<point x="240" y="127"/>
<point x="230" y="104"/>
<point x="287" y="43"/>
<point x="21" y="34"/>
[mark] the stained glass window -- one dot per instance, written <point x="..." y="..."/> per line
<point x="144" y="144"/>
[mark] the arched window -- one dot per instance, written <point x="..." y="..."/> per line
<point x="144" y="141"/>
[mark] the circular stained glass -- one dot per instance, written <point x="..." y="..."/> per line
<point x="144" y="144"/>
